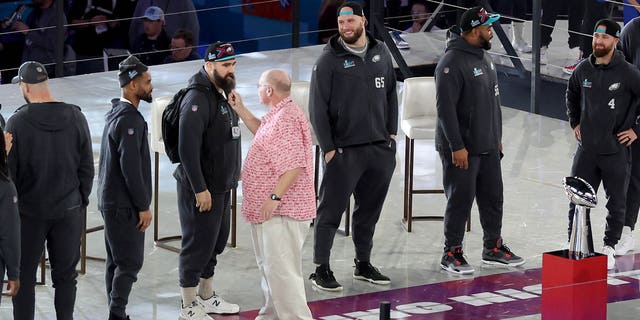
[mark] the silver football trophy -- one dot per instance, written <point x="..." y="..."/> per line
<point x="584" y="197"/>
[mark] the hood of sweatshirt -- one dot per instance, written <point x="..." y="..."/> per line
<point x="455" y="41"/>
<point x="49" y="116"/>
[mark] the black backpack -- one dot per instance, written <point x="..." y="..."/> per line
<point x="171" y="122"/>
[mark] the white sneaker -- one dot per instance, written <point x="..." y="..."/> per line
<point x="627" y="242"/>
<point x="216" y="304"/>
<point x="573" y="54"/>
<point x="193" y="312"/>
<point x="544" y="58"/>
<point x="523" y="47"/>
<point x="611" y="260"/>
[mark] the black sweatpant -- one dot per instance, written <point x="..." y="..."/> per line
<point x="125" y="254"/>
<point x="614" y="171"/>
<point x="594" y="10"/>
<point x="550" y="10"/>
<point x="364" y="171"/>
<point x="204" y="235"/>
<point x="482" y="181"/>
<point x="63" y="244"/>
<point x="633" y="194"/>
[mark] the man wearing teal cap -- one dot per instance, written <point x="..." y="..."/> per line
<point x="353" y="107"/>
<point x="469" y="141"/>
<point x="602" y="105"/>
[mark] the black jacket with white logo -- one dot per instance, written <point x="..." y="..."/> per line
<point x="603" y="100"/>
<point x="468" y="99"/>
<point x="353" y="101"/>
<point x="124" y="173"/>
<point x="209" y="157"/>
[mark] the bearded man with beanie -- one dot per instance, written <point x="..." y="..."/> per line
<point x="124" y="184"/>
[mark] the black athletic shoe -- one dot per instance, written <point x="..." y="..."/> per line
<point x="323" y="278"/>
<point x="116" y="317"/>
<point x="367" y="272"/>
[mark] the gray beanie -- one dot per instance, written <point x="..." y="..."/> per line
<point x="130" y="68"/>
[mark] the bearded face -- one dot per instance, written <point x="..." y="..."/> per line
<point x="226" y="82"/>
<point x="485" y="37"/>
<point x="350" y="36"/>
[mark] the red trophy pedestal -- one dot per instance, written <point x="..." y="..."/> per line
<point x="574" y="289"/>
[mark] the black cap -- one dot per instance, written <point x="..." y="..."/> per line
<point x="356" y="9"/>
<point x="611" y="27"/>
<point x="31" y="72"/>
<point x="475" y="17"/>
<point x="130" y="68"/>
<point x="220" y="51"/>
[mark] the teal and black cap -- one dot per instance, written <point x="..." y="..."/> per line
<point x="356" y="9"/>
<point x="607" y="26"/>
<point x="475" y="17"/>
<point x="219" y="51"/>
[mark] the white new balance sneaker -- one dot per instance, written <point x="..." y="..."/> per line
<point x="216" y="304"/>
<point x="627" y="242"/>
<point x="611" y="260"/>
<point x="194" y="312"/>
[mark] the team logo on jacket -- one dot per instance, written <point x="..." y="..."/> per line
<point x="348" y="64"/>
<point x="587" y="84"/>
<point x="496" y="90"/>
<point x="130" y="131"/>
<point x="15" y="199"/>
<point x="446" y="70"/>
<point x="194" y="108"/>
<point x="614" y="86"/>
<point x="477" y="72"/>
<point x="376" y="58"/>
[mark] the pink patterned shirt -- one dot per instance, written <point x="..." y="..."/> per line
<point x="282" y="143"/>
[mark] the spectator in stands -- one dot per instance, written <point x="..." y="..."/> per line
<point x="419" y="15"/>
<point x="180" y="14"/>
<point x="182" y="48"/>
<point x="550" y="10"/>
<point x="152" y="46"/>
<point x="594" y="10"/>
<point x="95" y="30"/>
<point x="40" y="44"/>
<point x="514" y="28"/>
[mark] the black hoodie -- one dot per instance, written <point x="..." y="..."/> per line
<point x="9" y="230"/>
<point x="353" y="101"/>
<point x="209" y="157"/>
<point x="51" y="162"/>
<point x="468" y="99"/>
<point x="124" y="174"/>
<point x="603" y="100"/>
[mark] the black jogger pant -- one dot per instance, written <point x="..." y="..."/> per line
<point x="364" y="171"/>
